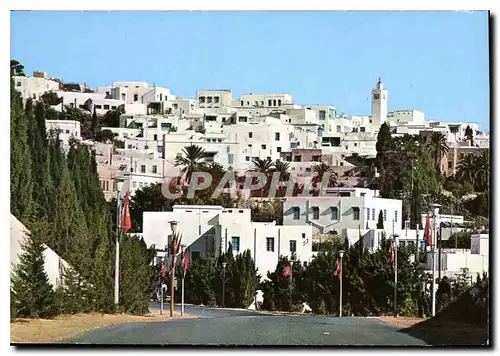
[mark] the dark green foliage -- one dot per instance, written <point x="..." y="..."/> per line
<point x="72" y="294"/>
<point x="136" y="275"/>
<point x="367" y="282"/>
<point x="469" y="134"/>
<point x="112" y="117"/>
<point x="380" y="222"/>
<point x="50" y="98"/>
<point x="33" y="295"/>
<point x="105" y="136"/>
<point x="205" y="278"/>
<point x="94" y="124"/>
<point x="16" y="68"/>
<point x="21" y="184"/>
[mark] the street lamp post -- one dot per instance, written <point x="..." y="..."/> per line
<point x="173" y="226"/>
<point x="395" y="275"/>
<point x="341" y="253"/>
<point x="119" y="185"/>
<point x="224" y="264"/>
<point x="182" y="288"/>
<point x="435" y="212"/>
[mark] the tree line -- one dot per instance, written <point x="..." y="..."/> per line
<point x="55" y="193"/>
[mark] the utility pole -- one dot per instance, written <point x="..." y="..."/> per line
<point x="173" y="226"/>
<point x="183" y="275"/>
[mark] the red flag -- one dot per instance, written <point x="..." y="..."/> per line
<point x="163" y="270"/>
<point x="125" y="222"/>
<point x="427" y="231"/>
<point x="338" y="271"/>
<point x="177" y="245"/>
<point x="185" y="262"/>
<point x="287" y="271"/>
<point x="391" y="254"/>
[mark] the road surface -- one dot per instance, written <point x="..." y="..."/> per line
<point x="246" y="328"/>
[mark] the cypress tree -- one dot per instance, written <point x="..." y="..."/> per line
<point x="33" y="294"/>
<point x="21" y="185"/>
<point x="94" y="124"/>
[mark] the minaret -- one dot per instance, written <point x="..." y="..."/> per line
<point x="379" y="104"/>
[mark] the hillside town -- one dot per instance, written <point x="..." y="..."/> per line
<point x="396" y="180"/>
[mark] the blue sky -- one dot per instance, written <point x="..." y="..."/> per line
<point x="436" y="62"/>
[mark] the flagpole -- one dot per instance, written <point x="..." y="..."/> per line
<point x="117" y="244"/>
<point x="183" y="276"/>
<point x="434" y="212"/>
<point x="395" y="276"/>
<point x="341" y="252"/>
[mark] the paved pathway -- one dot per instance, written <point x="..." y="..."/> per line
<point x="241" y="327"/>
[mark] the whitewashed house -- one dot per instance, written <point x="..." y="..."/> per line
<point x="210" y="230"/>
<point x="34" y="87"/>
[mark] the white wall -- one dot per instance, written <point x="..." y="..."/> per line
<point x="31" y="87"/>
<point x="53" y="263"/>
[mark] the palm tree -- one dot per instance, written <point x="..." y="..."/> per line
<point x="437" y="148"/>
<point x="260" y="165"/>
<point x="322" y="169"/>
<point x="466" y="169"/>
<point x="263" y="166"/>
<point x="193" y="161"/>
<point x="282" y="168"/>
<point x="482" y="169"/>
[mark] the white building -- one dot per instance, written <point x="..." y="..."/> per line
<point x="33" y="87"/>
<point x="67" y="129"/>
<point x="350" y="217"/>
<point x="272" y="100"/>
<point x="210" y="230"/>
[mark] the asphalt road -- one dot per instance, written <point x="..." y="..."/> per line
<point x="247" y="328"/>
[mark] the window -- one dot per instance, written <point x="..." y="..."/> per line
<point x="18" y="84"/>
<point x="250" y="135"/>
<point x="129" y="146"/>
<point x="67" y="131"/>
<point x="98" y="107"/>
<point x="338" y="128"/>
<point x="123" y="96"/>
<point x="296" y="213"/>
<point x="395" y="216"/>
<point x="263" y="147"/>
<point x="276" y="136"/>
<point x="269" y="102"/>
<point x="362" y="129"/>
<point x="143" y="169"/>
<point x="248" y="103"/>
<point x="449" y="165"/>
<point x="279" y="102"/>
<point x="161" y="96"/>
<point x="256" y="103"/>
<point x="154" y="168"/>
<point x="209" y="99"/>
<point x="371" y="121"/>
<point x="373" y="214"/>
<point x="235" y="242"/>
<point x="376" y="96"/>
<point x="113" y="107"/>
<point x="247" y="158"/>
<point x="322" y="114"/>
<point x="385" y="215"/>
<point x="160" y="149"/>
<point x="315" y="210"/>
<point x="136" y="97"/>
<point x="242" y="103"/>
<point x="297" y="158"/>
<point x="355" y="212"/>
<point x="155" y="137"/>
<point x="216" y="99"/>
<point x="270" y="244"/>
<point x="355" y="144"/>
<point x="367" y="213"/>
<point x="176" y="106"/>
<point x="293" y="245"/>
<point x="274" y="102"/>
<point x="278" y="149"/>
<point x="134" y="184"/>
<point x="195" y="255"/>
<point x="262" y="103"/>
<point x="334" y="212"/>
<point x="106" y="107"/>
